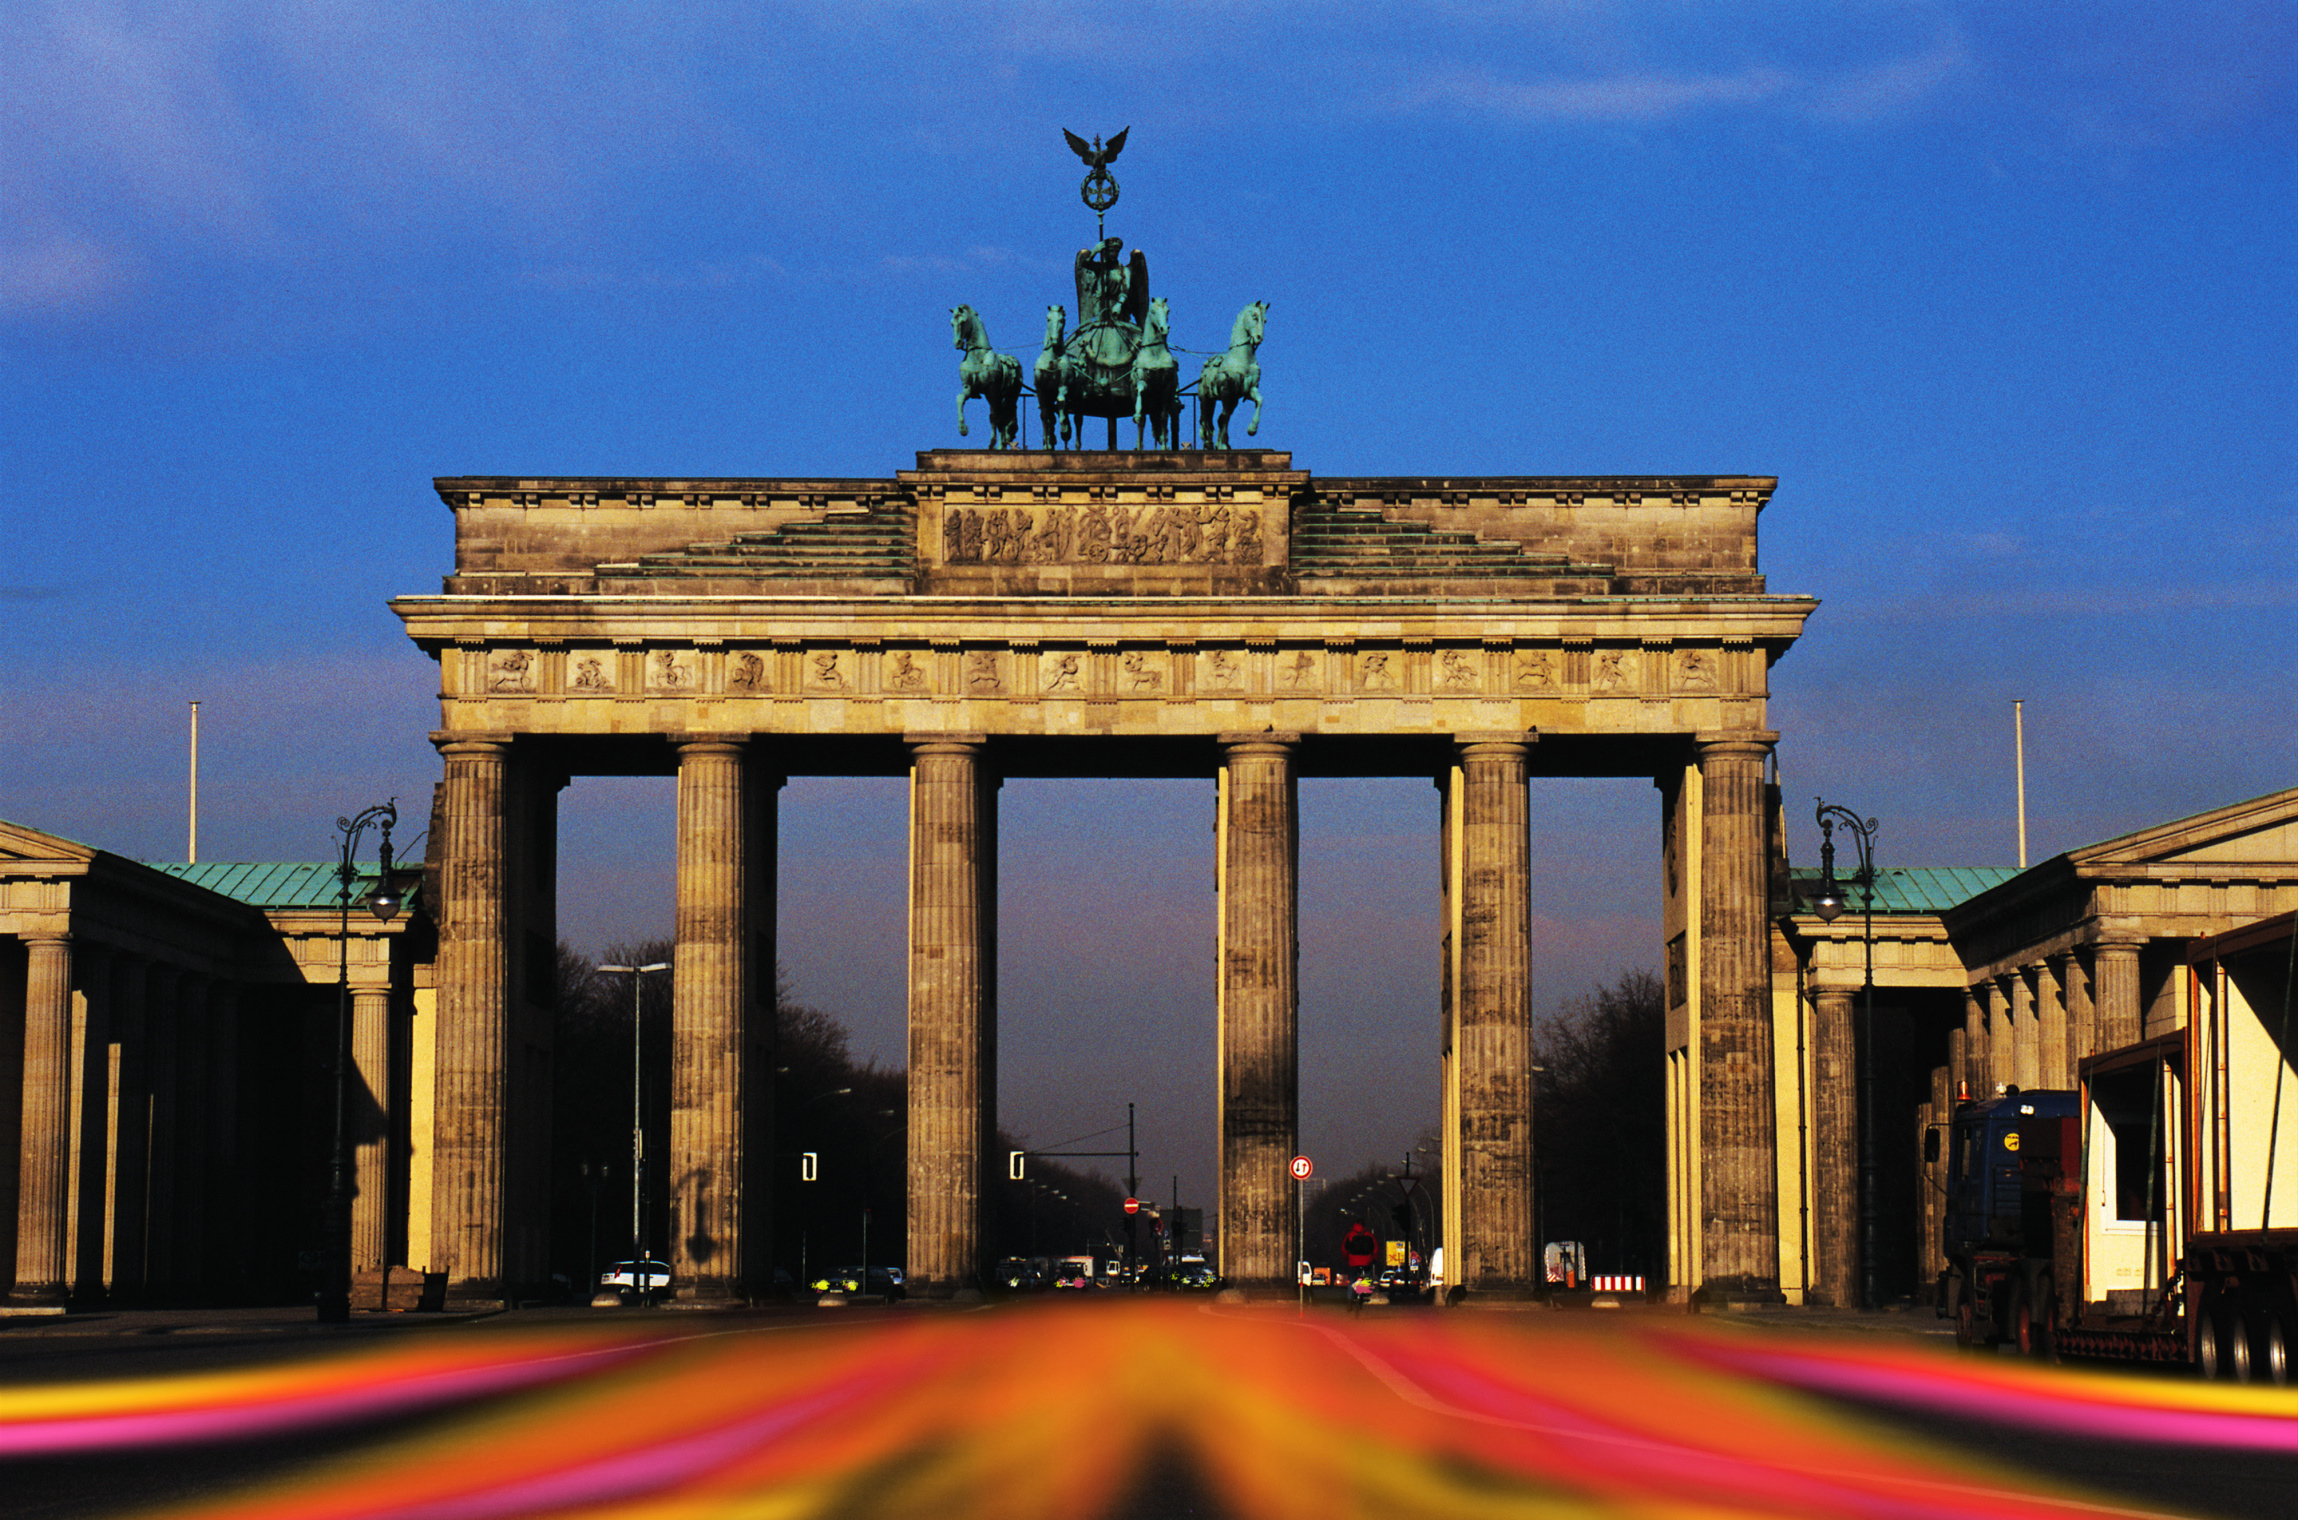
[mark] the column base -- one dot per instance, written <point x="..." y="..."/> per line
<point x="1738" y="1293"/>
<point x="31" y="1308"/>
<point x="1512" y="1297"/>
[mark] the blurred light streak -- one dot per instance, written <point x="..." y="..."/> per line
<point x="1060" y="1410"/>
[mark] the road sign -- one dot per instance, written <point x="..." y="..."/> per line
<point x="1132" y="1205"/>
<point x="1014" y="1162"/>
<point x="1301" y="1168"/>
<point x="809" y="1163"/>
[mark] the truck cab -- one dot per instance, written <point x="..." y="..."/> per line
<point x="2008" y="1154"/>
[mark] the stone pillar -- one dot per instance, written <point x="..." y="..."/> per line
<point x="1973" y="1074"/>
<point x="228" y="1200"/>
<point x="2082" y="1026"/>
<point x="44" y="1153"/>
<point x="91" y="1223"/>
<point x="163" y="1026"/>
<point x="2114" y="993"/>
<point x="371" y="1100"/>
<point x="2026" y="1033"/>
<point x="188" y="1225"/>
<point x="1492" y="1025"/>
<point x="2054" y="1064"/>
<point x="473" y="971"/>
<point x="1739" y="1175"/>
<point x="129" y="1144"/>
<point x="2002" y="1039"/>
<point x="953" y="1008"/>
<point x="1835" y="1146"/>
<point x="710" y="1004"/>
<point x="1259" y="1007"/>
<point x="1958" y="1062"/>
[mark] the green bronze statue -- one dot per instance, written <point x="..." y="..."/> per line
<point x="986" y="373"/>
<point x="1232" y="377"/>
<point x="1156" y="382"/>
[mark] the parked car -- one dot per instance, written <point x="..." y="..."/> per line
<point x="633" y="1279"/>
<point x="884" y="1281"/>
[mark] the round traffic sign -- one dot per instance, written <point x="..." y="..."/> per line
<point x="1301" y="1168"/>
<point x="1132" y="1205"/>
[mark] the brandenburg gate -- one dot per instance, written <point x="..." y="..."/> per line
<point x="1179" y="613"/>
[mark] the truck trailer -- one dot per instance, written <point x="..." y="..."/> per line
<point x="2152" y="1214"/>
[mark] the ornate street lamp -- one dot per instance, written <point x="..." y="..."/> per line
<point x="638" y="1273"/>
<point x="1830" y="907"/>
<point x="383" y="902"/>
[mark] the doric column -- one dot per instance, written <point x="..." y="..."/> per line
<point x="371" y="1103"/>
<point x="473" y="971"/>
<point x="188" y="1227"/>
<point x="2026" y="1033"/>
<point x="2002" y="1039"/>
<point x="709" y="1025"/>
<point x="953" y="1007"/>
<point x="228" y="1200"/>
<point x="129" y="1144"/>
<point x="2082" y="1026"/>
<point x="44" y="1153"/>
<point x="91" y="1221"/>
<point x="1835" y="1146"/>
<point x="2114" y="993"/>
<point x="1492" y="1022"/>
<point x="163" y="1027"/>
<point x="1259" y="1006"/>
<point x="1739" y="1175"/>
<point x="1976" y="1063"/>
<point x="2054" y="1066"/>
<point x="1958" y="1062"/>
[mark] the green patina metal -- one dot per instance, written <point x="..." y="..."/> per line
<point x="1118" y="361"/>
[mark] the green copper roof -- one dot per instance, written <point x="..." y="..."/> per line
<point x="1911" y="889"/>
<point x="269" y="883"/>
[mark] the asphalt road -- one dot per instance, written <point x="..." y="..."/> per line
<point x="2135" y="1479"/>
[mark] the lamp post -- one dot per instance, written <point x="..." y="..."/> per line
<point x="638" y="1272"/>
<point x="1830" y="907"/>
<point x="383" y="902"/>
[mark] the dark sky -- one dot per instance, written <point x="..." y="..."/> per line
<point x="2001" y="292"/>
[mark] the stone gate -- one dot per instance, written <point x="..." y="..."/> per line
<point x="1166" y="614"/>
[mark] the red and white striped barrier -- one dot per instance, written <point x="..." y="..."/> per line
<point x="1616" y="1283"/>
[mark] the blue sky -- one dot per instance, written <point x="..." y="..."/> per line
<point x="2001" y="292"/>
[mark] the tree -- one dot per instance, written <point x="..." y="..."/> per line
<point x="1600" y="1126"/>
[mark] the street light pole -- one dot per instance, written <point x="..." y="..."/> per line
<point x="383" y="902"/>
<point x="638" y="1272"/>
<point x="1830" y="907"/>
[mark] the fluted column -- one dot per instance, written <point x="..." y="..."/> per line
<point x="1492" y="1024"/>
<point x="189" y="1224"/>
<point x="2082" y="1024"/>
<point x="130" y="1141"/>
<point x="91" y="1222"/>
<point x="1259" y="1006"/>
<point x="1975" y="1067"/>
<point x="953" y="1008"/>
<point x="371" y="1100"/>
<point x="163" y="1027"/>
<point x="473" y="971"/>
<point x="1835" y="1147"/>
<point x="2026" y="1033"/>
<point x="709" y="1005"/>
<point x="2002" y="1039"/>
<point x="2114" y="994"/>
<point x="2054" y="1066"/>
<point x="1739" y="1175"/>
<point x="44" y="1153"/>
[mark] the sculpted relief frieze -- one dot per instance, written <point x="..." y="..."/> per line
<point x="1024" y="671"/>
<point x="1185" y="533"/>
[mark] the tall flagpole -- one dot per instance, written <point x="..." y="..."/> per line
<point x="191" y="848"/>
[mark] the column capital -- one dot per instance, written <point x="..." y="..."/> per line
<point x="1735" y="741"/>
<point x="1496" y="746"/>
<point x="1268" y="742"/>
<point x="710" y="744"/>
<point x="946" y="744"/>
<point x="2119" y="942"/>
<point x="450" y="743"/>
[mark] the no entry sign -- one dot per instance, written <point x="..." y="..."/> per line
<point x="1301" y="1168"/>
<point x="1132" y="1205"/>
